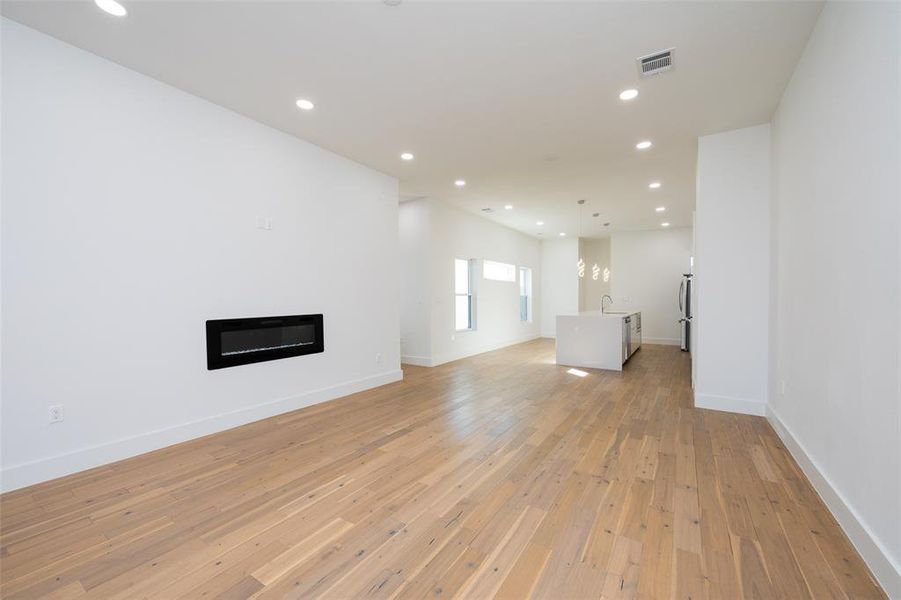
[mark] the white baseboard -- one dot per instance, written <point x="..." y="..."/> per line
<point x="426" y="361"/>
<point x="450" y="357"/>
<point x="727" y="404"/>
<point x="590" y="365"/>
<point x="886" y="570"/>
<point x="661" y="341"/>
<point x="419" y="361"/>
<point x="25" y="474"/>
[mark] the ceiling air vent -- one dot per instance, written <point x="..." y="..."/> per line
<point x="657" y="62"/>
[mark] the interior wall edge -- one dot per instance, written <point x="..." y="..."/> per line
<point x="22" y="475"/>
<point x="661" y="341"/>
<point x="727" y="404"/>
<point x="416" y="361"/>
<point x="883" y="567"/>
<point x="450" y="357"/>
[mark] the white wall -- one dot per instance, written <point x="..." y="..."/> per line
<point x="593" y="252"/>
<point x="646" y="272"/>
<point x="836" y="323"/>
<point x="732" y="278"/>
<point x="443" y="234"/>
<point x="559" y="282"/>
<point x="129" y="214"/>
<point x="416" y="280"/>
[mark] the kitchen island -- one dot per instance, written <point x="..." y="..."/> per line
<point x="598" y="340"/>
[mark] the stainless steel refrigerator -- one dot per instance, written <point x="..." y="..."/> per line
<point x="685" y="311"/>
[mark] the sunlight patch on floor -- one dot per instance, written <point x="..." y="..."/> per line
<point x="578" y="372"/>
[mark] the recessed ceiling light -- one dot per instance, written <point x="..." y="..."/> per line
<point x="654" y="185"/>
<point x="508" y="207"/>
<point x="664" y="224"/>
<point x="644" y="145"/>
<point x="660" y="208"/>
<point x="460" y="183"/>
<point x="406" y="156"/>
<point x="562" y="234"/>
<point x="629" y="94"/>
<point x="304" y="104"/>
<point x="540" y="223"/>
<point x="112" y="7"/>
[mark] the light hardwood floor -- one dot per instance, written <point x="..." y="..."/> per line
<point x="499" y="475"/>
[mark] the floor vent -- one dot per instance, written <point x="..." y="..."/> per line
<point x="658" y="62"/>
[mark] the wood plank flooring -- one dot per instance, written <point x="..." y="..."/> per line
<point x="501" y="476"/>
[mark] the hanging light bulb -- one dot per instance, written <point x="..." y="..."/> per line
<point x="606" y="274"/>
<point x="595" y="271"/>
<point x="581" y="264"/>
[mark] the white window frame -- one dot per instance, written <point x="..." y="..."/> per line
<point x="470" y="269"/>
<point x="525" y="284"/>
<point x="498" y="271"/>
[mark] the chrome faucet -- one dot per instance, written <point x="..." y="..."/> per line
<point x="602" y="302"/>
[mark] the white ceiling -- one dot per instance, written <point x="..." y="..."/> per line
<point x="519" y="99"/>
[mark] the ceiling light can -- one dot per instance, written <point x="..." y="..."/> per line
<point x="112" y="7"/>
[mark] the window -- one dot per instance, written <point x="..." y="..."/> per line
<point x="498" y="271"/>
<point x="463" y="317"/>
<point x="525" y="294"/>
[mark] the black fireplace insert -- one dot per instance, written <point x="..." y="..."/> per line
<point x="232" y="342"/>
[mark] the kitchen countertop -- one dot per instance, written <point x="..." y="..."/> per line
<point x="608" y="314"/>
<point x="594" y="339"/>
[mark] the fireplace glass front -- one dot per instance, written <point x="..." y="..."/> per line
<point x="232" y="342"/>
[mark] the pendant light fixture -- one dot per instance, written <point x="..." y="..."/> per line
<point x="580" y="266"/>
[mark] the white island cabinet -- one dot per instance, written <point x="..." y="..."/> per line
<point x="598" y="340"/>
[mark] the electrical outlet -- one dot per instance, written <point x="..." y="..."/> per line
<point x="378" y="358"/>
<point x="56" y="413"/>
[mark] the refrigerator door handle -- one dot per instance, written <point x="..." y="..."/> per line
<point x="681" y="291"/>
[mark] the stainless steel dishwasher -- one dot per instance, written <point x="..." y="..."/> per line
<point x="635" y="334"/>
<point x="631" y="335"/>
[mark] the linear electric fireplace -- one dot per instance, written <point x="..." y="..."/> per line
<point x="232" y="342"/>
